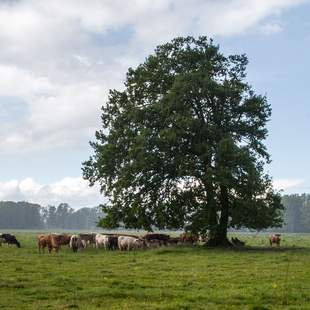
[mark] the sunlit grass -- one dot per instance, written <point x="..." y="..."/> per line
<point x="180" y="277"/>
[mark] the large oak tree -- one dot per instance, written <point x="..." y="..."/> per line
<point x="182" y="146"/>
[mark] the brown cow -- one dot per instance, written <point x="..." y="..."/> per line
<point x="173" y="240"/>
<point x="189" y="238"/>
<point x="162" y="238"/>
<point x="42" y="242"/>
<point x="275" y="239"/>
<point x="88" y="238"/>
<point x="53" y="241"/>
<point x="58" y="240"/>
<point x="154" y="243"/>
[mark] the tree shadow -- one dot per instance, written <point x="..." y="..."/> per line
<point x="271" y="249"/>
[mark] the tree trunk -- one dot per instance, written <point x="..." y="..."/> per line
<point x="211" y="203"/>
<point x="218" y="236"/>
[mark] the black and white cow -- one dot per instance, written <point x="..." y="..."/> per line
<point x="9" y="239"/>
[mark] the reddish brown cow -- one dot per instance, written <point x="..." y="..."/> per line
<point x="58" y="240"/>
<point x="189" y="238"/>
<point x="42" y="242"/>
<point x="162" y="238"/>
<point x="173" y="240"/>
<point x="52" y="241"/>
<point x="275" y="239"/>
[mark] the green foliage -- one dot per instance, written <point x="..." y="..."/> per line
<point x="182" y="145"/>
<point x="166" y="278"/>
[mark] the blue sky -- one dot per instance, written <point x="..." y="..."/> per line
<point x="59" y="59"/>
<point x="278" y="67"/>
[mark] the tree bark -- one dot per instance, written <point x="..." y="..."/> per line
<point x="211" y="203"/>
<point x="218" y="237"/>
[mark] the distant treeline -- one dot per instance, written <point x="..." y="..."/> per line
<point x="297" y="213"/>
<point x="24" y="215"/>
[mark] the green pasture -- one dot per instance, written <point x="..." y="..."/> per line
<point x="179" y="277"/>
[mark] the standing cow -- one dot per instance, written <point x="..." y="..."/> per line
<point x="57" y="240"/>
<point x="130" y="243"/>
<point x="189" y="238"/>
<point x="153" y="243"/>
<point x="52" y="241"/>
<point x="88" y="238"/>
<point x="275" y="239"/>
<point x="43" y="242"/>
<point x="173" y="240"/>
<point x="112" y="242"/>
<point x="102" y="241"/>
<point x="161" y="238"/>
<point x="77" y="243"/>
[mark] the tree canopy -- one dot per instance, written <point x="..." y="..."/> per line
<point x="182" y="145"/>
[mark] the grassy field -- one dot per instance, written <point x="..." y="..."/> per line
<point x="179" y="277"/>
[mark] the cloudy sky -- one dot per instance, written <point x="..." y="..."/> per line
<point x="58" y="59"/>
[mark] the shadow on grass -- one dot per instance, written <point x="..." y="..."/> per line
<point x="184" y="250"/>
<point x="270" y="249"/>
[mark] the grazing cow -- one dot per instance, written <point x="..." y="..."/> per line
<point x="237" y="242"/>
<point x="102" y="241"/>
<point x="189" y="238"/>
<point x="62" y="239"/>
<point x="130" y="243"/>
<point x="153" y="243"/>
<point x="173" y="240"/>
<point x="123" y="235"/>
<point x="42" y="243"/>
<point x="88" y="238"/>
<point x="46" y="241"/>
<point x="202" y="239"/>
<point x="77" y="243"/>
<point x="53" y="241"/>
<point x="9" y="239"/>
<point x="275" y="239"/>
<point x="162" y="238"/>
<point x="112" y="242"/>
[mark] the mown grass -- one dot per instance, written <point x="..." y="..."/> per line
<point x="180" y="277"/>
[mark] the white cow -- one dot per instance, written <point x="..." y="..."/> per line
<point x="102" y="241"/>
<point x="76" y="243"/>
<point x="129" y="243"/>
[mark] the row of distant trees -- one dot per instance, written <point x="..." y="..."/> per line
<point x="297" y="213"/>
<point x="24" y="215"/>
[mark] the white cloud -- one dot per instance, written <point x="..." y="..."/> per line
<point x="288" y="184"/>
<point x="74" y="191"/>
<point x="271" y="28"/>
<point x="77" y="193"/>
<point x="62" y="57"/>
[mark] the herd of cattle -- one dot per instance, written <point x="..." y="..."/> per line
<point x="109" y="241"/>
<point x="78" y="242"/>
